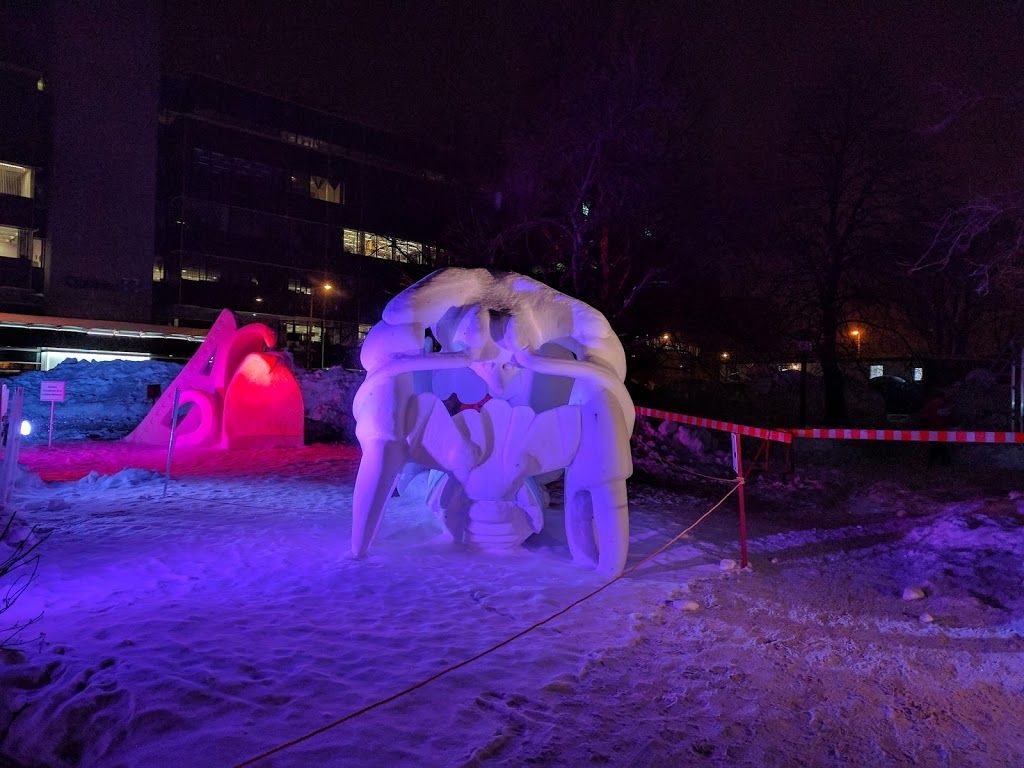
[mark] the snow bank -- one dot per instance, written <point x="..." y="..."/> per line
<point x="107" y="400"/>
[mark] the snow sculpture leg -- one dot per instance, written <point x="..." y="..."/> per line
<point x="550" y="369"/>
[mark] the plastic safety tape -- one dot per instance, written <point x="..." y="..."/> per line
<point x="786" y="435"/>
<point x="921" y="435"/>
<point x="725" y="426"/>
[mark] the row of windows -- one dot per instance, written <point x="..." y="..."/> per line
<point x="299" y="234"/>
<point x="390" y="248"/>
<point x="224" y="175"/>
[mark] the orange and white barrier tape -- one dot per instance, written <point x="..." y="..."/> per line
<point x="787" y="435"/>
<point x="918" y="435"/>
<point x="778" y="435"/>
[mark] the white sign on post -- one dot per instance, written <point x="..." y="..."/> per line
<point x="51" y="392"/>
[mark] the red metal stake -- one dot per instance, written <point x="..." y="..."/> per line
<point x="737" y="465"/>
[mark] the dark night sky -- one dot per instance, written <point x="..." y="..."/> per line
<point x="459" y="72"/>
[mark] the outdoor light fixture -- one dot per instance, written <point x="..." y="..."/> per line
<point x="856" y="337"/>
<point x="26" y="428"/>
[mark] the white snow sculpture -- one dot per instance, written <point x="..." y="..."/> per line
<point x="551" y="371"/>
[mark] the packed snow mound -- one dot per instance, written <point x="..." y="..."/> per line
<point x="327" y="398"/>
<point x="107" y="400"/>
<point x="126" y="477"/>
<point x="102" y="401"/>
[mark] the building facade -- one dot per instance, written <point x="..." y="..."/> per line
<point x="291" y="216"/>
<point x="135" y="208"/>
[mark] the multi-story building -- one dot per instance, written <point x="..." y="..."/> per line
<point x="134" y="208"/>
<point x="24" y="153"/>
<point x="295" y="217"/>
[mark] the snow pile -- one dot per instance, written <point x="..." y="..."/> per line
<point x="103" y="401"/>
<point x="107" y="400"/>
<point x="327" y="396"/>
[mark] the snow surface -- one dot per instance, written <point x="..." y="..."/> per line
<point x="210" y="622"/>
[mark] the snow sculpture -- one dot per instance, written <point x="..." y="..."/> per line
<point x="551" y="371"/>
<point x="242" y="394"/>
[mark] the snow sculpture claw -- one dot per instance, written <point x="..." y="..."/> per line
<point x="549" y="372"/>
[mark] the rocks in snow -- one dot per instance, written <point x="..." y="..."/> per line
<point x="913" y="593"/>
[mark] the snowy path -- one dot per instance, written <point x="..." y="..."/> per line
<point x="206" y="626"/>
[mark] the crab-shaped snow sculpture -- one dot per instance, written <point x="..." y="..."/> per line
<point x="550" y="370"/>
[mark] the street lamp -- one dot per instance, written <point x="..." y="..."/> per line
<point x="323" y="326"/>
<point x="856" y="338"/>
<point x="323" y="322"/>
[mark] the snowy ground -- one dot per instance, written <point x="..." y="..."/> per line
<point x="209" y="623"/>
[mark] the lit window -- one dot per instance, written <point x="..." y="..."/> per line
<point x="200" y="274"/>
<point x="364" y="329"/>
<point x="407" y="250"/>
<point x="918" y="374"/>
<point x="158" y="271"/>
<point x="585" y="208"/>
<point x="14" y="242"/>
<point x="386" y="247"/>
<point x="378" y="246"/>
<point x="875" y="371"/>
<point x="322" y="189"/>
<point x="353" y="241"/>
<point x="297" y="285"/>
<point x="15" y="180"/>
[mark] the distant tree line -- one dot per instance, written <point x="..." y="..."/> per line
<point x="601" y="196"/>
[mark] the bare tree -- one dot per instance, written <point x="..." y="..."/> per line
<point x="19" y="562"/>
<point x="856" y="166"/>
<point x="986" y="235"/>
<point x="589" y="200"/>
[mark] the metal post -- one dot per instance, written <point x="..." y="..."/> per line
<point x="1013" y="394"/>
<point x="170" y="444"/>
<point x="737" y="465"/>
<point x="49" y="442"/>
<point x="323" y="333"/>
<point x="309" y="330"/>
<point x="1020" y="390"/>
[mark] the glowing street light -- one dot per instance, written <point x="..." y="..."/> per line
<point x="323" y="326"/>
<point x="323" y="320"/>
<point x="856" y="337"/>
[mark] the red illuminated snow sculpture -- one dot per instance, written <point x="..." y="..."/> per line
<point x="236" y="393"/>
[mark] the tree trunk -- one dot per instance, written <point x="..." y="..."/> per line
<point x="832" y="379"/>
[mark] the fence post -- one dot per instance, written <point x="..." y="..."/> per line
<point x="10" y="464"/>
<point x="737" y="465"/>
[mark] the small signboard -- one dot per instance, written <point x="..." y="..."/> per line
<point x="51" y="391"/>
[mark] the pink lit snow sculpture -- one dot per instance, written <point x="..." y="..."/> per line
<point x="553" y="371"/>
<point x="242" y="394"/>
